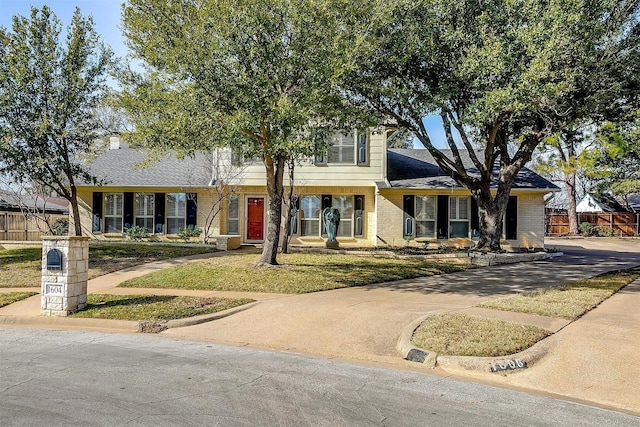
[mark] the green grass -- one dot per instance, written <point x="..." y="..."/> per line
<point x="457" y="334"/>
<point x="153" y="307"/>
<point x="21" y="267"/>
<point x="298" y="273"/>
<point x="568" y="301"/>
<point x="11" y="297"/>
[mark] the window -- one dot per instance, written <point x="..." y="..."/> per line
<point x="176" y="212"/>
<point x="310" y="218"/>
<point x="425" y="216"/>
<point x="145" y="203"/>
<point x="458" y="216"/>
<point x="113" y="206"/>
<point x="233" y="217"/>
<point x="344" y="204"/>
<point x="341" y="148"/>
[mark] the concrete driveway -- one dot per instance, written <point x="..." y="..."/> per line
<point x="365" y="322"/>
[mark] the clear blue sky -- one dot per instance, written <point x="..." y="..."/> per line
<point x="106" y="15"/>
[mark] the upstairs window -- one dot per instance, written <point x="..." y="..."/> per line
<point x="342" y="149"/>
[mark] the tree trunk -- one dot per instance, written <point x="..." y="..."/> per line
<point x="570" y="186"/>
<point x="73" y="201"/>
<point x="289" y="209"/>
<point x="275" y="189"/>
<point x="490" y="218"/>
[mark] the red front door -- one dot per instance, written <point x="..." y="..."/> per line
<point x="255" y="218"/>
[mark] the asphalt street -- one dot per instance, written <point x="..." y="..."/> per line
<point x="62" y="378"/>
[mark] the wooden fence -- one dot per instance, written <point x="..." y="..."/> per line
<point x="14" y="226"/>
<point x="618" y="224"/>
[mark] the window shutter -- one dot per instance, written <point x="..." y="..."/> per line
<point x="192" y="210"/>
<point x="443" y="217"/>
<point x="127" y="213"/>
<point x="362" y="147"/>
<point x="511" y="219"/>
<point x="96" y="227"/>
<point x="408" y="207"/>
<point x="475" y="220"/>
<point x="358" y="216"/>
<point x="159" y="219"/>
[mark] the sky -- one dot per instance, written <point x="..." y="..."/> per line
<point x="106" y="15"/>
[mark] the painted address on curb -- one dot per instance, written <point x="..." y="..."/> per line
<point x="508" y="365"/>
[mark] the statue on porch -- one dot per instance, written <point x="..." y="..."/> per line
<point x="331" y="217"/>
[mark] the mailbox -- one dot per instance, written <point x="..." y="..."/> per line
<point x="54" y="260"/>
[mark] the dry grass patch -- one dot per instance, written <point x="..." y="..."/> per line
<point x="11" y="297"/>
<point x="21" y="267"/>
<point x="154" y="307"/>
<point x="299" y="273"/>
<point x="457" y="334"/>
<point x="568" y="301"/>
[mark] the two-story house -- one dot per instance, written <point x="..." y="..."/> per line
<point x="385" y="197"/>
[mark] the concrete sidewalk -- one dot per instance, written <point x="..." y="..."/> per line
<point x="594" y="359"/>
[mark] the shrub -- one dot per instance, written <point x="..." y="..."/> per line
<point x="603" y="231"/>
<point x="60" y="227"/>
<point x="136" y="233"/>
<point x="187" y="233"/>
<point x="585" y="229"/>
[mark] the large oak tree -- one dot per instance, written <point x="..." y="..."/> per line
<point x="258" y="76"/>
<point x="50" y="89"/>
<point x="502" y="75"/>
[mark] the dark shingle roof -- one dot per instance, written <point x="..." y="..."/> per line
<point x="412" y="168"/>
<point x="122" y="167"/>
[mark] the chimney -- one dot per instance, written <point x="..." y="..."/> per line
<point x="116" y="144"/>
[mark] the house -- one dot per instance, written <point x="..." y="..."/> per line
<point x="385" y="197"/>
<point x="25" y="216"/>
<point x="602" y="203"/>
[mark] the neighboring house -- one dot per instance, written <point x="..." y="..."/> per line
<point x="602" y="203"/>
<point x="22" y="217"/>
<point x="385" y="197"/>
<point x="634" y="202"/>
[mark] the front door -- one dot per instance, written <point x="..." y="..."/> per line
<point x="255" y="218"/>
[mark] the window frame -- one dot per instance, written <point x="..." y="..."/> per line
<point x="149" y="199"/>
<point x="168" y="215"/>
<point x="457" y="219"/>
<point x="231" y="199"/>
<point x="418" y="209"/>
<point x="112" y="214"/>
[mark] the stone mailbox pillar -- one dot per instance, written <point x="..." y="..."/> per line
<point x="65" y="264"/>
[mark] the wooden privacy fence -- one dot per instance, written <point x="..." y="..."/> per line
<point x="618" y="224"/>
<point x="14" y="226"/>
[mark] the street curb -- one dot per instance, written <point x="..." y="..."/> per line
<point x="131" y="326"/>
<point x="80" y="323"/>
<point x="513" y="362"/>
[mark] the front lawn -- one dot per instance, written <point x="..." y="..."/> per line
<point x="153" y="307"/>
<point x="298" y="273"/>
<point x="21" y="267"/>
<point x="11" y="297"/>
<point x="465" y="335"/>
<point x="568" y="301"/>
